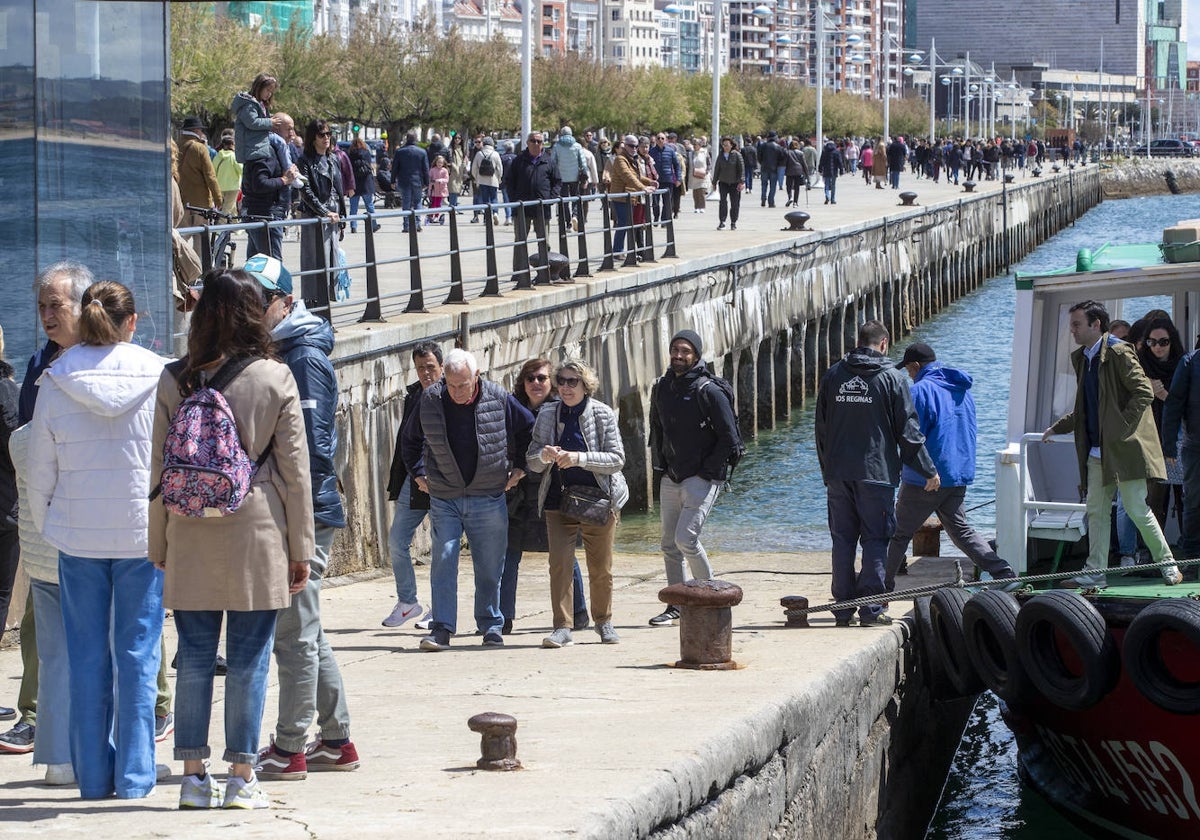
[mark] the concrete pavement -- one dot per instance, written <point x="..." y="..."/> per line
<point x="614" y="740"/>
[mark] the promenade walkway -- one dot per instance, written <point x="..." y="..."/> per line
<point x="696" y="236"/>
<point x="605" y="732"/>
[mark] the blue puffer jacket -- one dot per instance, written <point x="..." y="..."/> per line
<point x="304" y="343"/>
<point x="946" y="411"/>
<point x="667" y="163"/>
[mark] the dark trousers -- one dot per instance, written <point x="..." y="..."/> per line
<point x="731" y="201"/>
<point x="860" y="513"/>
<point x="1189" y="542"/>
<point x="10" y="554"/>
<point x="259" y="241"/>
<point x="914" y="506"/>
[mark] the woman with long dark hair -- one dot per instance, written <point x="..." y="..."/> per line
<point x="240" y="567"/>
<point x="321" y="197"/>
<point x="1159" y="351"/>
<point x="89" y="478"/>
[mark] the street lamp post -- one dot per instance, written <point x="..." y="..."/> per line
<point x="718" y="18"/>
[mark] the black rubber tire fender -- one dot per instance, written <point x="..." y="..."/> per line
<point x="1071" y="616"/>
<point x="946" y="615"/>
<point x="990" y="633"/>
<point x="1143" y="658"/>
<point x="935" y="676"/>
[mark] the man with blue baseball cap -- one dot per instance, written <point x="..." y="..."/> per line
<point x="310" y="684"/>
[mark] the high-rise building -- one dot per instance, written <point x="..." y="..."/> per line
<point x="630" y="34"/>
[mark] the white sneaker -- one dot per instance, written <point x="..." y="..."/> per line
<point x="1172" y="575"/>
<point x="59" y="775"/>
<point x="245" y="795"/>
<point x="423" y="624"/>
<point x="162" y="772"/>
<point x="401" y="614"/>
<point x="195" y="792"/>
<point x="1127" y="560"/>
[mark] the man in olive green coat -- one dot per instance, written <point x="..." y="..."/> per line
<point x="1115" y="438"/>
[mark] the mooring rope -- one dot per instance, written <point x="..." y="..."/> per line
<point x="1025" y="582"/>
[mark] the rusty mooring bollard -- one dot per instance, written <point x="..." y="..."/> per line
<point x="705" y="622"/>
<point x="794" y="602"/>
<point x="927" y="541"/>
<point x="498" y="741"/>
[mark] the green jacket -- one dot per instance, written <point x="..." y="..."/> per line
<point x="1129" y="447"/>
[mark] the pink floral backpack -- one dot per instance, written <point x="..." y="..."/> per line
<point x="206" y="471"/>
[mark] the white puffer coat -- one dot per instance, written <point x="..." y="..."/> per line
<point x="89" y="450"/>
<point x="38" y="557"/>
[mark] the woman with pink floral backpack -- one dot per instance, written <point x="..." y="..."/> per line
<point x="235" y="562"/>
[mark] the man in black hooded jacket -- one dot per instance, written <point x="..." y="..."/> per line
<point x="692" y="435"/>
<point x="866" y="426"/>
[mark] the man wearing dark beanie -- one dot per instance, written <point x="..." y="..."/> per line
<point x="692" y="436"/>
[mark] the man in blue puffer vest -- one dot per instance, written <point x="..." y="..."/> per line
<point x="310" y="684"/>
<point x="946" y="411"/>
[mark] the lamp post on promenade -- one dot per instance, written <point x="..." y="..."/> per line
<point x="718" y="19"/>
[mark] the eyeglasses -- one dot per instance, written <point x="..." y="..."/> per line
<point x="1158" y="342"/>
<point x="537" y="377"/>
<point x="324" y="133"/>
<point x="534" y="142"/>
<point x="631" y="145"/>
<point x="568" y="381"/>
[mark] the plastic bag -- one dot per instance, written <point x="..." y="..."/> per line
<point x="343" y="277"/>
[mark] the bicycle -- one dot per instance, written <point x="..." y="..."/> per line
<point x="221" y="247"/>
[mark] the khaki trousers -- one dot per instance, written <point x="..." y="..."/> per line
<point x="561" y="533"/>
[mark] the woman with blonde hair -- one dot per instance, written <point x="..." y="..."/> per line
<point x="89" y="480"/>
<point x="577" y="448"/>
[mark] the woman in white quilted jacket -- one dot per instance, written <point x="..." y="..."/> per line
<point x="89" y="482"/>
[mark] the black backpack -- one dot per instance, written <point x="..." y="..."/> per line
<point x="487" y="167"/>
<point x="726" y="388"/>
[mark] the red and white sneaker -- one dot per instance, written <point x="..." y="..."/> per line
<point x="274" y="767"/>
<point x="321" y="756"/>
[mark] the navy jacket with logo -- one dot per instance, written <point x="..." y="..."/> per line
<point x="866" y="424"/>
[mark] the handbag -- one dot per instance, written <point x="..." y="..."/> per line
<point x="585" y="503"/>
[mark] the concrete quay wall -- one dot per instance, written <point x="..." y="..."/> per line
<point x="773" y="316"/>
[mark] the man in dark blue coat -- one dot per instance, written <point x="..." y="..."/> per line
<point x="946" y="412"/>
<point x="267" y="192"/>
<point x="410" y="175"/>
<point x="866" y="427"/>
<point x="669" y="173"/>
<point x="310" y="684"/>
<point x="1182" y="411"/>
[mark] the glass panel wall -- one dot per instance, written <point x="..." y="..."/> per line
<point x="83" y="156"/>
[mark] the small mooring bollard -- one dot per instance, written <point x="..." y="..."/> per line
<point x="560" y="268"/>
<point x="1009" y="177"/>
<point x="797" y="219"/>
<point x="968" y="186"/>
<point x="705" y="622"/>
<point x="1055" y="168"/>
<point x="1037" y="172"/>
<point x="927" y="541"/>
<point x="498" y="741"/>
<point x="908" y="199"/>
<point x="794" y="602"/>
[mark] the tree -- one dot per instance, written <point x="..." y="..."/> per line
<point x="208" y="64"/>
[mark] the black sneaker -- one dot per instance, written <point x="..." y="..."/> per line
<point x="8" y="713"/>
<point x="492" y="638"/>
<point x="19" y="739"/>
<point x="666" y="618"/>
<point x="438" y="639"/>
<point x="879" y="619"/>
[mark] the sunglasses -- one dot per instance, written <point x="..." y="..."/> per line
<point x="537" y="377"/>
<point x="534" y="142"/>
<point x="1158" y="342"/>
<point x="324" y="133"/>
<point x="568" y="381"/>
<point x="631" y="145"/>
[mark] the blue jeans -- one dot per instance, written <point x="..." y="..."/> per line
<point x="53" y="742"/>
<point x="310" y="684"/>
<point x="831" y="188"/>
<point x="410" y="199"/>
<point x="268" y="242"/>
<point x="894" y="178"/>
<point x="769" y="185"/>
<point x="1189" y="541"/>
<point x="1127" y="534"/>
<point x="624" y="219"/>
<point x="860" y="512"/>
<point x="507" y="210"/>
<point x="508" y="586"/>
<point x="749" y="179"/>
<point x="400" y="536"/>
<point x="780" y="177"/>
<point x="248" y="652"/>
<point x="487" y="195"/>
<point x="485" y="521"/>
<point x="368" y="202"/>
<point x="113" y="614"/>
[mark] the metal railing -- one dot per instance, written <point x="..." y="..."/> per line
<point x="565" y="238"/>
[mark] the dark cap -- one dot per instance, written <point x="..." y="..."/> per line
<point x="692" y="338"/>
<point x="192" y="124"/>
<point x="919" y="352"/>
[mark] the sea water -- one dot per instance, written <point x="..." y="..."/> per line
<point x="776" y="501"/>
